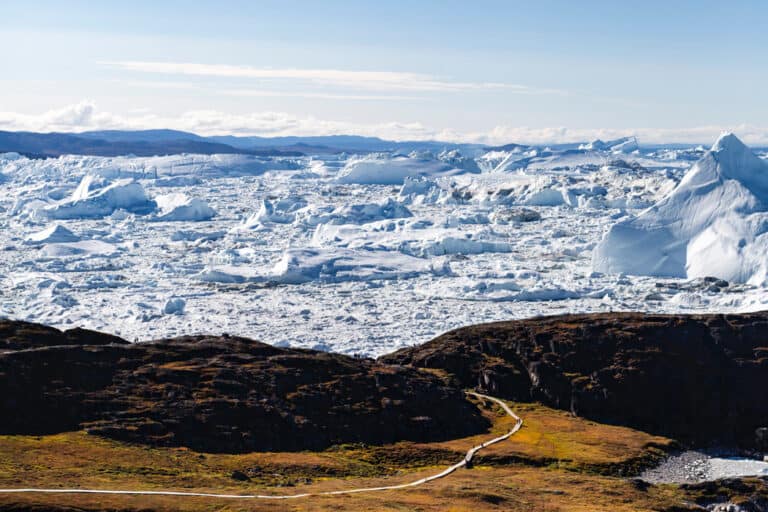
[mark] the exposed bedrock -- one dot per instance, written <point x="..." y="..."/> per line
<point x="698" y="378"/>
<point x="217" y="394"/>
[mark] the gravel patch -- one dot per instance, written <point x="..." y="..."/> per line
<point x="684" y="468"/>
<point x="694" y="467"/>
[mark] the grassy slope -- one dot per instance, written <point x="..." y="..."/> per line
<point x="556" y="462"/>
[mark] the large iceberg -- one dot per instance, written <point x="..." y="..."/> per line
<point x="377" y="170"/>
<point x="281" y="211"/>
<point x="714" y="223"/>
<point x="623" y="145"/>
<point x="89" y="201"/>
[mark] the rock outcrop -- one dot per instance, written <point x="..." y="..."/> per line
<point x="217" y="394"/>
<point x="698" y="378"/>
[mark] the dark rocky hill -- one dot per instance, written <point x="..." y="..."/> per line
<point x="699" y="378"/>
<point x="696" y="378"/>
<point x="217" y="394"/>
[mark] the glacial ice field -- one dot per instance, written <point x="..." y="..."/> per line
<point x="357" y="254"/>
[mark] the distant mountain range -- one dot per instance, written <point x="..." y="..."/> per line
<point x="165" y="142"/>
<point x="116" y="143"/>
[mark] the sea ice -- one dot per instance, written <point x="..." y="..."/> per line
<point x="299" y="252"/>
<point x="83" y="248"/>
<point x="329" y="265"/>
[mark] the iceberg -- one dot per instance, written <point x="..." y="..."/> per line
<point x="622" y="145"/>
<point x="714" y="223"/>
<point x="87" y="202"/>
<point x="393" y="171"/>
<point x="51" y="235"/>
<point x="179" y="207"/>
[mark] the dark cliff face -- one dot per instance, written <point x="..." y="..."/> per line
<point x="697" y="378"/>
<point x="217" y="394"/>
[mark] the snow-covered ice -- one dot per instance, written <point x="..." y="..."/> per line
<point x="714" y="223"/>
<point x="383" y="170"/>
<point x="179" y="207"/>
<point x="91" y="201"/>
<point x="56" y="233"/>
<point x="298" y="266"/>
<point x="369" y="253"/>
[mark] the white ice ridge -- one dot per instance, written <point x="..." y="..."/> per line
<point x="329" y="265"/>
<point x="714" y="223"/>
<point x="394" y="171"/>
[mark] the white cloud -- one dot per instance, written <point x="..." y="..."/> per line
<point x="86" y="116"/>
<point x="371" y="80"/>
<point x="68" y="118"/>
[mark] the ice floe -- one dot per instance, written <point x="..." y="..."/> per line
<point x="298" y="266"/>
<point x="83" y="248"/>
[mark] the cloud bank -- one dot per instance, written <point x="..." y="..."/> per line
<point x="86" y="116"/>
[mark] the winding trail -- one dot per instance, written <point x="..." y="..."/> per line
<point x="467" y="458"/>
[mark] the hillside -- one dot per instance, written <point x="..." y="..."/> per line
<point x="217" y="394"/>
<point x="223" y="414"/>
<point x="698" y="378"/>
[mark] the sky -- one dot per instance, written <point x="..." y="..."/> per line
<point x="482" y="71"/>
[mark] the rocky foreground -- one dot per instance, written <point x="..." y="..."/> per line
<point x="699" y="379"/>
<point x="695" y="378"/>
<point x="217" y="394"/>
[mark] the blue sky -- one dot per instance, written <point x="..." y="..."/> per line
<point x="485" y="70"/>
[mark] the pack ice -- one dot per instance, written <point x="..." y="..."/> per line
<point x="357" y="253"/>
<point x="714" y="223"/>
